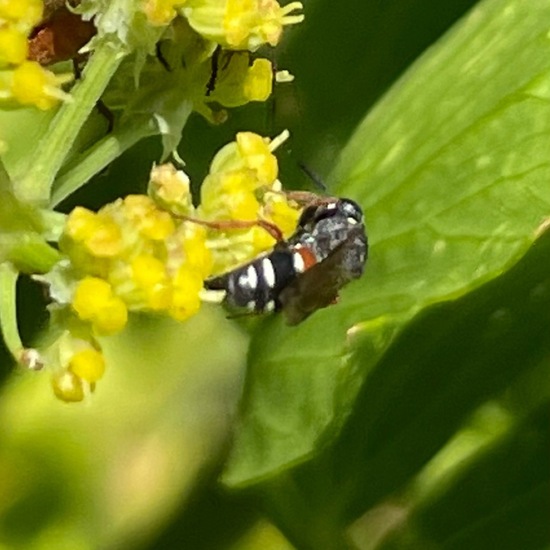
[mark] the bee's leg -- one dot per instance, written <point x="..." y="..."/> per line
<point x="222" y="225"/>
<point x="307" y="198"/>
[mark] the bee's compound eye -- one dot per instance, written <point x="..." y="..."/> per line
<point x="352" y="210"/>
<point x="314" y="213"/>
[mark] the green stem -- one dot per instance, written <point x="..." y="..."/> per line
<point x="82" y="168"/>
<point x="8" y="309"/>
<point x="35" y="185"/>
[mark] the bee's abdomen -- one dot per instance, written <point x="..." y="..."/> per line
<point x="256" y="285"/>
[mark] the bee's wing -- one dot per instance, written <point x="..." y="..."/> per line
<point x="318" y="286"/>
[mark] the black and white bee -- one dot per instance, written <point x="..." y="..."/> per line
<point x="304" y="273"/>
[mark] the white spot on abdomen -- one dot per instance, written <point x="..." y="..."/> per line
<point x="249" y="279"/>
<point x="268" y="272"/>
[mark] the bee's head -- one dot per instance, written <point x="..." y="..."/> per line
<point x="316" y="212"/>
<point x="351" y="210"/>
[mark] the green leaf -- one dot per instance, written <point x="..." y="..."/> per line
<point x="452" y="169"/>
<point x="501" y="500"/>
<point x="22" y="233"/>
<point x="451" y="166"/>
<point x="28" y="251"/>
<point x="448" y="361"/>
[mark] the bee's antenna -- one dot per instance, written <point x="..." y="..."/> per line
<point x="313" y="176"/>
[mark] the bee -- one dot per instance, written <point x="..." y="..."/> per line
<point x="304" y="273"/>
<point x="60" y="34"/>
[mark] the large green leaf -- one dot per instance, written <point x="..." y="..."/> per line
<point x="452" y="168"/>
<point x="451" y="359"/>
<point x="448" y="361"/>
<point x="500" y="501"/>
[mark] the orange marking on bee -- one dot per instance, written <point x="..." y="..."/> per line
<point x="307" y="255"/>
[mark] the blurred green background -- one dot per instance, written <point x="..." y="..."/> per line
<point x="446" y="445"/>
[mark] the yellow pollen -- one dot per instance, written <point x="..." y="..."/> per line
<point x="68" y="387"/>
<point x="147" y="271"/>
<point x="88" y="364"/>
<point x="105" y="241"/>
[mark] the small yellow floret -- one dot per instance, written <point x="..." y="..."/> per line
<point x="94" y="301"/>
<point x="235" y="181"/>
<point x="259" y="80"/>
<point x="26" y="12"/>
<point x="197" y="254"/>
<point x="236" y="172"/>
<point x="241" y="24"/>
<point x="147" y="271"/>
<point x="81" y="224"/>
<point x="90" y="295"/>
<point x="170" y="189"/>
<point x="68" y="387"/>
<point x="148" y="219"/>
<point x="243" y="205"/>
<point x="250" y="152"/>
<point x="238" y="82"/>
<point x="88" y="364"/>
<point x="161" y="12"/>
<point x="13" y="46"/>
<point x="185" y="299"/>
<point x="261" y="240"/>
<point x="257" y="155"/>
<point x="282" y="214"/>
<point x="157" y="225"/>
<point x="240" y="18"/>
<point x="111" y="318"/>
<point x="137" y="206"/>
<point x="251" y="23"/>
<point x="34" y="85"/>
<point x="106" y="240"/>
<point x="159" y="297"/>
<point x="230" y="196"/>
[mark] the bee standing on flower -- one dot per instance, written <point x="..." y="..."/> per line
<point x="328" y="249"/>
<point x="158" y="253"/>
<point x="145" y="253"/>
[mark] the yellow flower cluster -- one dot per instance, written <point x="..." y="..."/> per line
<point x="153" y="253"/>
<point x="216" y="38"/>
<point x="129" y="256"/>
<point x="233" y="24"/>
<point x="23" y="81"/>
<point x="135" y="256"/>
<point x="241" y="24"/>
<point x="242" y="185"/>
<point x="81" y="365"/>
